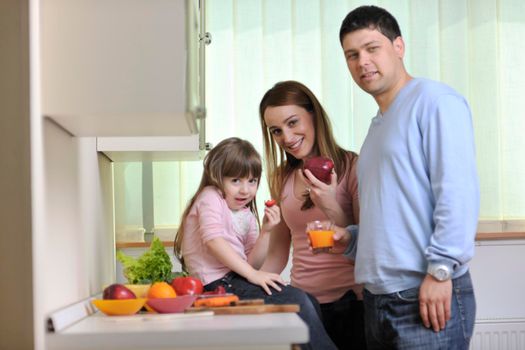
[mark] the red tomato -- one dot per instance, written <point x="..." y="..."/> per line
<point x="270" y="203"/>
<point x="187" y="285"/>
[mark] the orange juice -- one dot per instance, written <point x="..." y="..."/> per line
<point x="321" y="240"/>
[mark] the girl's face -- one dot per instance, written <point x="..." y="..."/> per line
<point x="292" y="127"/>
<point x="239" y="192"/>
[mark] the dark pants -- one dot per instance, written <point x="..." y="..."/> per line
<point x="393" y="320"/>
<point x="309" y="309"/>
<point x="344" y="321"/>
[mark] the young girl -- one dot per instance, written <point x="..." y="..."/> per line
<point x="217" y="240"/>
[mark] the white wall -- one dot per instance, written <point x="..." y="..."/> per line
<point x="74" y="243"/>
<point x="498" y="270"/>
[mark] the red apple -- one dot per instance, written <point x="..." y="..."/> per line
<point x="118" y="291"/>
<point x="187" y="285"/>
<point x="320" y="167"/>
<point x="270" y="203"/>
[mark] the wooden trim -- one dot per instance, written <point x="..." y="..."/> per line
<point x="120" y="245"/>
<point x="499" y="236"/>
<point x="488" y="230"/>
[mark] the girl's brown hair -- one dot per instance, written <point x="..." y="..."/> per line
<point x="280" y="164"/>
<point x="232" y="157"/>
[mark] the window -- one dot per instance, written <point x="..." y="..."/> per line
<point x="474" y="46"/>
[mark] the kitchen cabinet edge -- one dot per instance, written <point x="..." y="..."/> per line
<point x="157" y="148"/>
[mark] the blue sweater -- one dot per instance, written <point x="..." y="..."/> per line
<point x="418" y="189"/>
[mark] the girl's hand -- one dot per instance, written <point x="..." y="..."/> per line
<point x="323" y="195"/>
<point x="272" y="217"/>
<point x="266" y="280"/>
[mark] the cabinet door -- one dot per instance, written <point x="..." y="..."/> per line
<point x="118" y="67"/>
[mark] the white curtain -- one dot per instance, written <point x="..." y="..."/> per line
<point x="476" y="46"/>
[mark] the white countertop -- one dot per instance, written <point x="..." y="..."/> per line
<point x="182" y="331"/>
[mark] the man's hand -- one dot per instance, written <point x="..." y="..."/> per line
<point x="434" y="302"/>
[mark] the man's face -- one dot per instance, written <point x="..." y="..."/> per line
<point x="375" y="62"/>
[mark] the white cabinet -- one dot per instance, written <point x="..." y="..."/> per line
<point x="129" y="72"/>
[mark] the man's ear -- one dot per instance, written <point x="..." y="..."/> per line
<point x="399" y="46"/>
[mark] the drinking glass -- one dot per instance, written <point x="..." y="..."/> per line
<point x="321" y="235"/>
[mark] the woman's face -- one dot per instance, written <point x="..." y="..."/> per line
<point x="292" y="127"/>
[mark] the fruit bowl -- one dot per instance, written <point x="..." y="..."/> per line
<point x="115" y="307"/>
<point x="171" y="305"/>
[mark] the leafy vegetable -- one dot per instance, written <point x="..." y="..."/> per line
<point x="152" y="266"/>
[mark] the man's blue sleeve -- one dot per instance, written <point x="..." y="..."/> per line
<point x="351" y="250"/>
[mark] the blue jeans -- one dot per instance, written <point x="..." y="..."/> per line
<point x="392" y="321"/>
<point x="309" y="308"/>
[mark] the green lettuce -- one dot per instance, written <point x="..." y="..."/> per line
<point x="152" y="266"/>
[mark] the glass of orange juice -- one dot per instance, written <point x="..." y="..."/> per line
<point x="321" y="235"/>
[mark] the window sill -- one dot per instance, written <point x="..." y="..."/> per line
<point x="120" y="245"/>
<point x="481" y="236"/>
<point x="499" y="236"/>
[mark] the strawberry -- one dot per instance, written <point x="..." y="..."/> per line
<point x="270" y="203"/>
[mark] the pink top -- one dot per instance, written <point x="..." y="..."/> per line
<point x="326" y="276"/>
<point x="210" y="218"/>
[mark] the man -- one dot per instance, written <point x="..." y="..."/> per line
<point x="419" y="197"/>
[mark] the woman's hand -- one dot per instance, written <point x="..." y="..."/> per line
<point x="266" y="280"/>
<point x="341" y="239"/>
<point x="272" y="217"/>
<point x="325" y="197"/>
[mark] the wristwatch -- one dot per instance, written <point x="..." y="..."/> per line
<point x="440" y="272"/>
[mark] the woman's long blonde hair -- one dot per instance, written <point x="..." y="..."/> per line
<point x="232" y="157"/>
<point x="280" y="164"/>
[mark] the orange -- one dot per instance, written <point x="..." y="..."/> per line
<point x="161" y="290"/>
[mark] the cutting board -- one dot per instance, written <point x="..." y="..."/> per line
<point x="247" y="309"/>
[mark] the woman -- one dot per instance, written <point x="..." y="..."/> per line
<point x="295" y="128"/>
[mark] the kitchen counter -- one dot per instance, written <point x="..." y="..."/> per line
<point x="182" y="331"/>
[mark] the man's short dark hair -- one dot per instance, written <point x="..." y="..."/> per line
<point x="371" y="17"/>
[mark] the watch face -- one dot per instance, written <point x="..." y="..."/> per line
<point x="441" y="274"/>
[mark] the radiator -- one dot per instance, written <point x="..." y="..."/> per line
<point x="499" y="334"/>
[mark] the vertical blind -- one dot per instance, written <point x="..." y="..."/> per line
<point x="476" y="46"/>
